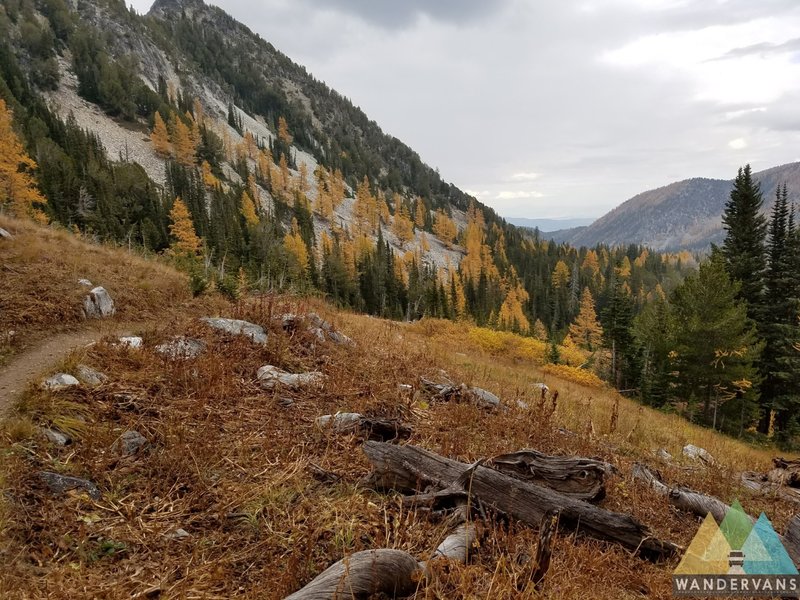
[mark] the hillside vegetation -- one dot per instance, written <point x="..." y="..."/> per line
<point x="238" y="494"/>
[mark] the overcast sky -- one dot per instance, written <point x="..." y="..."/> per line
<point x="558" y="108"/>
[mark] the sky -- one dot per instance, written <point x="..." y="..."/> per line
<point x="557" y="108"/>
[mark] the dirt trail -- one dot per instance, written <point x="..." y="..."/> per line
<point x="31" y="362"/>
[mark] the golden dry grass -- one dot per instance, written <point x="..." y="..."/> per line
<point x="230" y="465"/>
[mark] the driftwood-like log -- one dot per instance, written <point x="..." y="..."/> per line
<point x="765" y="484"/>
<point x="544" y="549"/>
<point x="681" y="497"/>
<point x="400" y="467"/>
<point x="394" y="573"/>
<point x="581" y="478"/>
<point x="364" y="574"/>
<point x="791" y="539"/>
<point x="370" y="428"/>
<point x="443" y="392"/>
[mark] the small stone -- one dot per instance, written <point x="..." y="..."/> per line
<point x="60" y="484"/>
<point x="89" y="376"/>
<point x="405" y="388"/>
<point x="177" y="535"/>
<point x="181" y="348"/>
<point x="697" y="453"/>
<point x="319" y="322"/>
<point x="56" y="437"/>
<point x="337" y="337"/>
<point x="270" y="376"/>
<point x="98" y="304"/>
<point x="130" y="442"/>
<point x="131" y="341"/>
<point x="485" y="398"/>
<point x="60" y="381"/>
<point x="317" y="333"/>
<point x="85" y="283"/>
<point x="238" y="327"/>
<point x="663" y="454"/>
<point x="5" y="234"/>
<point x="340" y="422"/>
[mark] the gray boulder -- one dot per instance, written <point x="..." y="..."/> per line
<point x="238" y="327"/>
<point x="60" y="484"/>
<point x="181" y="348"/>
<point x="340" y="422"/>
<point x="85" y="283"/>
<point x="134" y="342"/>
<point x="56" y="437"/>
<point x="98" y="304"/>
<point x="130" y="442"/>
<point x="484" y="398"/>
<point x="5" y="235"/>
<point x="697" y="453"/>
<point x="337" y="337"/>
<point x="89" y="376"/>
<point x="60" y="381"/>
<point x="271" y="376"/>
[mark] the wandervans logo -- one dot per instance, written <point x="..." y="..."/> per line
<point x="736" y="558"/>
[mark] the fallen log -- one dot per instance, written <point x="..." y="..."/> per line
<point x="443" y="392"/>
<point x="791" y="539"/>
<point x="766" y="485"/>
<point x="681" y="497"/>
<point x="371" y="428"/>
<point x="394" y="573"/>
<point x="580" y="478"/>
<point x="405" y="467"/>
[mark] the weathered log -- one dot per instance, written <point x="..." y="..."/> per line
<point x="364" y="574"/>
<point x="394" y="573"/>
<point x="681" y="497"/>
<point x="764" y="484"/>
<point x="787" y="471"/>
<point x="371" y="428"/>
<point x="791" y="539"/>
<point x="581" y="478"/>
<point x="544" y="549"/>
<point x="520" y="500"/>
<point x="444" y="392"/>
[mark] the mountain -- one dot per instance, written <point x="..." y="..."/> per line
<point x="548" y="225"/>
<point x="686" y="215"/>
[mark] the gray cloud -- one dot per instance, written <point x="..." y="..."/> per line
<point x="763" y="50"/>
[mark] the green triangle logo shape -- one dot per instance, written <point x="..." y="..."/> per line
<point x="736" y="526"/>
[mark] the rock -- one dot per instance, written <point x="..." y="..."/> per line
<point x="541" y="388"/>
<point x="319" y="322"/>
<point x="484" y="398"/>
<point x="85" y="283"/>
<point x="318" y="333"/>
<point x="60" y="484"/>
<point x="134" y="342"/>
<point x="697" y="453"/>
<point x="130" y="442"/>
<point x="337" y="337"/>
<point x="405" y="388"/>
<point x="663" y="454"/>
<point x="181" y="348"/>
<point x="60" y="381"/>
<point x="89" y="376"/>
<point x="5" y="234"/>
<point x="270" y="376"/>
<point x="286" y="402"/>
<point x="238" y="327"/>
<point x="56" y="437"/>
<point x="178" y="535"/>
<point x="340" y="422"/>
<point x="98" y="304"/>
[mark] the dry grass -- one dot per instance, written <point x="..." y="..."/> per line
<point x="40" y="268"/>
<point x="230" y="465"/>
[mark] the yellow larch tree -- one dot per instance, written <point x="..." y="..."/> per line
<point x="459" y="297"/>
<point x="423" y="242"/>
<point x="540" y="331"/>
<point x="586" y="332"/>
<point x="336" y="187"/>
<point x="283" y="131"/>
<point x="402" y="227"/>
<point x="199" y="113"/>
<point x="250" y="145"/>
<point x="182" y="144"/>
<point x="18" y="188"/>
<point x="420" y="214"/>
<point x="194" y="130"/>
<point x="297" y="250"/>
<point x="444" y="228"/>
<point x="365" y="208"/>
<point x="512" y="314"/>
<point x="248" y="209"/>
<point x="384" y="213"/>
<point x="284" y="177"/>
<point x="560" y="275"/>
<point x="209" y="179"/>
<point x="323" y="205"/>
<point x="624" y="269"/>
<point x="264" y="165"/>
<point x="186" y="242"/>
<point x="160" y="137"/>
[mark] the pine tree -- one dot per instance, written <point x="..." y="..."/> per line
<point x="743" y="247"/>
<point x="160" y="137"/>
<point x="716" y="347"/>
<point x="586" y="331"/>
<point x="617" y="322"/>
<point x="186" y="242"/>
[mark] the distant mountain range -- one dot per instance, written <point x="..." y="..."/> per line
<point x="548" y="225"/>
<point x="682" y="215"/>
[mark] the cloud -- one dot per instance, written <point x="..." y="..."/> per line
<point x="394" y="14"/>
<point x="525" y="176"/>
<point x="517" y="195"/>
<point x="738" y="144"/>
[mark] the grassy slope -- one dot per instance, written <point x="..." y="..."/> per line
<point x="230" y="465"/>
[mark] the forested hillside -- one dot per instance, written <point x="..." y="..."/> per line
<point x="251" y="175"/>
